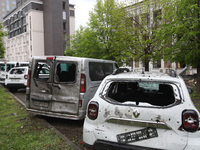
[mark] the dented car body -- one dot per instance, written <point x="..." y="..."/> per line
<point x="61" y="86"/>
<point x="141" y="111"/>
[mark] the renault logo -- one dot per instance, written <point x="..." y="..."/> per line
<point x="136" y="113"/>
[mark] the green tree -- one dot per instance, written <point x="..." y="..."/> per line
<point x="84" y="44"/>
<point x="146" y="17"/>
<point x="180" y="33"/>
<point x="2" y="48"/>
<point x="108" y="36"/>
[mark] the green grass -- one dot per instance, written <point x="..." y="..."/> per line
<point x="195" y="94"/>
<point x="20" y="131"/>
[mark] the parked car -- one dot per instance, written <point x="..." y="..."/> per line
<point x="141" y="111"/>
<point x="16" y="78"/>
<point x="6" y="66"/>
<point x="61" y="86"/>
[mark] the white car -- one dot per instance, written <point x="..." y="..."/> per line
<point x="142" y="111"/>
<point x="16" y="78"/>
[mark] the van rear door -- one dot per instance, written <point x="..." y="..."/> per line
<point x="66" y="85"/>
<point x="41" y="83"/>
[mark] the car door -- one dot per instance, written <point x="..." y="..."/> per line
<point x="66" y="85"/>
<point x="41" y="84"/>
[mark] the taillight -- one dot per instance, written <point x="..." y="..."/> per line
<point x="49" y="58"/>
<point x="25" y="76"/>
<point x="83" y="83"/>
<point x="6" y="76"/>
<point x="93" y="109"/>
<point x="190" y="120"/>
<point x="28" y="78"/>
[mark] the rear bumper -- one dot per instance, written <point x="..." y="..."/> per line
<point x="2" y="80"/>
<point x="80" y="116"/>
<point x="101" y="145"/>
<point x="15" y="85"/>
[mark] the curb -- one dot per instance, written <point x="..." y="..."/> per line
<point x="64" y="138"/>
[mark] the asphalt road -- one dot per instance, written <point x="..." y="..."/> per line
<point x="69" y="130"/>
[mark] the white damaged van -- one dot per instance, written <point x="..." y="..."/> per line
<point x="61" y="86"/>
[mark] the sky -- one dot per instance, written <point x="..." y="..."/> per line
<point x="82" y="8"/>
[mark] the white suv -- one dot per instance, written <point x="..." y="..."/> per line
<point x="141" y="111"/>
<point x="16" y="78"/>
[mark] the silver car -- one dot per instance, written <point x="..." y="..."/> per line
<point x="142" y="111"/>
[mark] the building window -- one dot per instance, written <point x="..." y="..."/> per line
<point x="167" y="64"/>
<point x="157" y="64"/>
<point x="64" y="15"/>
<point x="64" y="25"/>
<point x="145" y="19"/>
<point x="18" y="4"/>
<point x="157" y="17"/>
<point x="24" y="20"/>
<point x="137" y="64"/>
<point x="19" y="23"/>
<point x="63" y="5"/>
<point x="24" y="29"/>
<point x="71" y="13"/>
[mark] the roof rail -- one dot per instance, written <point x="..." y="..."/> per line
<point x="120" y="70"/>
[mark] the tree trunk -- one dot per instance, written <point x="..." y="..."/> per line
<point x="146" y="65"/>
<point x="198" y="80"/>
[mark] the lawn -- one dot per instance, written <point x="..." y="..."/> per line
<point x="20" y="131"/>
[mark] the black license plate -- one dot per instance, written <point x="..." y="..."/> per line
<point x="138" y="135"/>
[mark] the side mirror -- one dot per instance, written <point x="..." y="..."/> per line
<point x="190" y="90"/>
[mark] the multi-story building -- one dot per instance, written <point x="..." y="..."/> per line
<point x="5" y="7"/>
<point x="38" y="28"/>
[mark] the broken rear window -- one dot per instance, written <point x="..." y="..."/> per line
<point x="143" y="93"/>
<point x="66" y="72"/>
<point x="42" y="71"/>
<point x="17" y="71"/>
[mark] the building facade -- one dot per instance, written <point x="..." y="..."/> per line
<point x="147" y="18"/>
<point x="37" y="28"/>
<point x="5" y="7"/>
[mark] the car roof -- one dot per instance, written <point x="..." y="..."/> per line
<point x="24" y="67"/>
<point x="147" y="76"/>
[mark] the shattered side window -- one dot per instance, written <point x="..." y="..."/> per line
<point x="42" y="71"/>
<point x="143" y="93"/>
<point x="9" y="66"/>
<point x="98" y="71"/>
<point x="65" y="72"/>
<point x="2" y="67"/>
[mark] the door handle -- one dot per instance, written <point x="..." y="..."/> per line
<point x="56" y="86"/>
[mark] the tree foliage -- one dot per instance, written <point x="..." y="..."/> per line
<point x="84" y="44"/>
<point x="2" y="48"/>
<point x="146" y="17"/>
<point x="109" y="34"/>
<point x="180" y="33"/>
